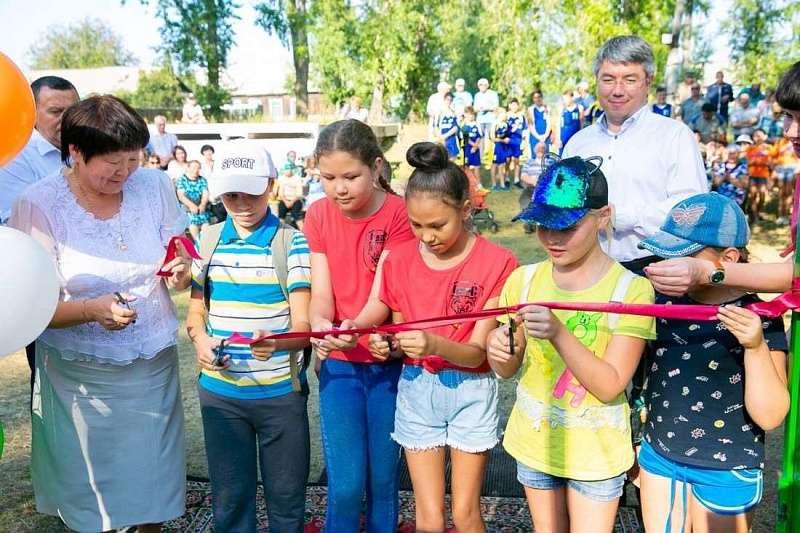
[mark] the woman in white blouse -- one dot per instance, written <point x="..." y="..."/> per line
<point x="107" y="418"/>
<point x="179" y="164"/>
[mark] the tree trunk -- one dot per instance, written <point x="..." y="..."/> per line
<point x="298" y="27"/>
<point x="213" y="59"/>
<point x="376" y="105"/>
<point x="674" y="60"/>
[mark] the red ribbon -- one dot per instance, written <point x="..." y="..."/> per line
<point x="172" y="252"/>
<point x="787" y="301"/>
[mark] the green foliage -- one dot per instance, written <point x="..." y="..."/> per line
<point x="760" y="52"/>
<point x="85" y="44"/>
<point x="199" y="33"/>
<point x="157" y="89"/>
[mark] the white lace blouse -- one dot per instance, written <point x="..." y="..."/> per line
<point x="98" y="257"/>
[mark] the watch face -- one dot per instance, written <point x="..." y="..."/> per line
<point x="717" y="276"/>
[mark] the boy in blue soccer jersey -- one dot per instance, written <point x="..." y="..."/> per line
<point x="516" y="126"/>
<point x="447" y="124"/>
<point x="501" y="140"/>
<point x="254" y="280"/>
<point x="571" y="118"/>
<point x="661" y="107"/>
<point x="471" y="132"/>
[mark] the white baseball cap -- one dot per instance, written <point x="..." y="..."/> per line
<point x="241" y="166"/>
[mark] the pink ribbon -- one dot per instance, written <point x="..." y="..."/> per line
<point x="172" y="252"/>
<point x="787" y="301"/>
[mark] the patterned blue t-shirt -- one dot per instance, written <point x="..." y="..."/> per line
<point x="695" y="394"/>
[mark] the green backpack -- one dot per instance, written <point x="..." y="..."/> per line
<point x="281" y="243"/>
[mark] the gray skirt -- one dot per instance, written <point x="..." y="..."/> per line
<point x="108" y="448"/>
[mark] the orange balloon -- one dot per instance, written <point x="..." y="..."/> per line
<point x="17" y="110"/>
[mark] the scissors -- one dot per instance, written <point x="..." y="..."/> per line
<point x="219" y="354"/>
<point x="124" y="303"/>
<point x="512" y="328"/>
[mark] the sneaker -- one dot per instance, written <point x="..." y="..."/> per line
<point x="496" y="188"/>
<point x="518" y="185"/>
<point x="780" y="221"/>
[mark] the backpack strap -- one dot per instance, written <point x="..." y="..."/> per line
<point x="281" y="244"/>
<point x="618" y="296"/>
<point x="527" y="279"/>
<point x="209" y="239"/>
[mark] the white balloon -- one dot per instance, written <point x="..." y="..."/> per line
<point x="29" y="290"/>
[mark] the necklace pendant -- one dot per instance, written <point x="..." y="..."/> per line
<point x="122" y="246"/>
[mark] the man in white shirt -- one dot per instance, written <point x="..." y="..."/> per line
<point x="435" y="107"/>
<point x="461" y="98"/>
<point x="485" y="102"/>
<point x="162" y="143"/>
<point x="651" y="162"/>
<point x="42" y="155"/>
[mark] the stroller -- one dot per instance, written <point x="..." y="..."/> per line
<point x="482" y="216"/>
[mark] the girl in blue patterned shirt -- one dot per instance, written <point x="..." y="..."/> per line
<point x="192" y="189"/>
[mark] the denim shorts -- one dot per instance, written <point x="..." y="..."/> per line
<point x="725" y="492"/>
<point x="604" y="490"/>
<point x="447" y="408"/>
<point x="785" y="173"/>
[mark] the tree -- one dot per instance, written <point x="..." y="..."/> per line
<point x="199" y="33"/>
<point x="85" y="44"/>
<point x="158" y="89"/>
<point x="289" y="20"/>
<point x="757" y="50"/>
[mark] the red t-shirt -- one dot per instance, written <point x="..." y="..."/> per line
<point x="353" y="247"/>
<point x="412" y="288"/>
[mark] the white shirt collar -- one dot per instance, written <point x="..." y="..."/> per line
<point x="43" y="146"/>
<point x="629" y="122"/>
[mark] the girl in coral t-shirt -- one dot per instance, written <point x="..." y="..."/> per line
<point x="447" y="395"/>
<point x="349" y="232"/>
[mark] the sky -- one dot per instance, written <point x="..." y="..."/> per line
<point x="22" y="21"/>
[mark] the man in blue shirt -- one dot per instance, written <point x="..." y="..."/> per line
<point x="720" y="94"/>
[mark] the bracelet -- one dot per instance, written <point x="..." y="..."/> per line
<point x="84" y="315"/>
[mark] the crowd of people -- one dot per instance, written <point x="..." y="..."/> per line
<point x="741" y="140"/>
<point x="107" y="441"/>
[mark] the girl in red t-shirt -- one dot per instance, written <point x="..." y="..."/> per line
<point x="447" y="395"/>
<point x="349" y="232"/>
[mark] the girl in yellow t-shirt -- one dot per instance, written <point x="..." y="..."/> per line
<point x="569" y="429"/>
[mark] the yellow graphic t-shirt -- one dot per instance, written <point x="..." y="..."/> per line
<point x="557" y="426"/>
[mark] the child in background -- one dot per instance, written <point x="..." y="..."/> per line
<point x="290" y="195"/>
<point x="571" y="119"/>
<point x="661" y="107"/>
<point x="516" y="126"/>
<point x="501" y="140"/>
<point x="253" y="415"/>
<point x="472" y="148"/>
<point x="731" y="181"/>
<point x="570" y="429"/>
<point x="349" y="233"/>
<point x="448" y="127"/>
<point x="192" y="189"/>
<point x="758" y="168"/>
<point x="447" y="395"/>
<point x="539" y="119"/>
<point x="714" y="387"/>
<point x="530" y="176"/>
<point x="786" y="167"/>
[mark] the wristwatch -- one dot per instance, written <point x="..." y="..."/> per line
<point x="717" y="275"/>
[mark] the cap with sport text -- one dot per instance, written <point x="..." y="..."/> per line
<point x="241" y="166"/>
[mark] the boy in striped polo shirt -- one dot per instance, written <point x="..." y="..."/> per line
<point x="249" y="405"/>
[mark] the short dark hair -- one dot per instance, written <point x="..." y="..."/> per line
<point x="469" y="109"/>
<point x="206" y="147"/>
<point x="357" y="139"/>
<point x="51" y="82"/>
<point x="788" y="92"/>
<point x="513" y="101"/>
<point x="661" y="89"/>
<point x="435" y="174"/>
<point x="101" y="125"/>
<point x="181" y="148"/>
<point x="709" y="108"/>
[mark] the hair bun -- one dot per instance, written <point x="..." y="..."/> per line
<point x="427" y="156"/>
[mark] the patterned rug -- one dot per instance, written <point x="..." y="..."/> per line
<point x="502" y="514"/>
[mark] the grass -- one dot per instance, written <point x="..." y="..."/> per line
<point x="17" y="509"/>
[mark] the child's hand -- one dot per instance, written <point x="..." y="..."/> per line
<point x="380" y="346"/>
<point x="263" y="350"/>
<point x="539" y="322"/>
<point x="343" y="341"/>
<point x="744" y="324"/>
<point x="204" y="346"/>
<point x="415" y="344"/>
<point x="498" y="346"/>
<point x="322" y="348"/>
